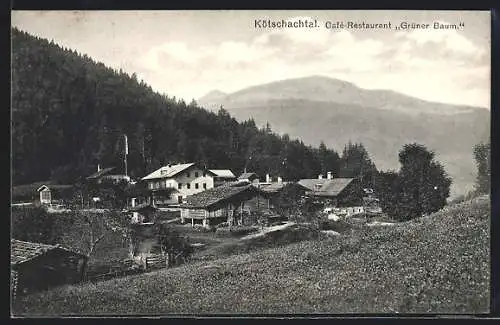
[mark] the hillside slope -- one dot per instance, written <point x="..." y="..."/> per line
<point x="436" y="264"/>
<point x="382" y="120"/>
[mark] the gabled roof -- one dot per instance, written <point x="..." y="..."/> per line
<point x="248" y="176"/>
<point x="278" y="186"/>
<point x="100" y="173"/>
<point x="326" y="187"/>
<point x="170" y="171"/>
<point x="218" y="194"/>
<point x="43" y="187"/>
<point x="22" y="251"/>
<point x="224" y="173"/>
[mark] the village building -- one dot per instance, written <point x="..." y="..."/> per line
<point x="222" y="176"/>
<point x="183" y="180"/>
<point x="105" y="175"/>
<point x="143" y="213"/>
<point x="274" y="189"/>
<point x="334" y="192"/>
<point x="235" y="203"/>
<point x="36" y="266"/>
<point x="249" y="177"/>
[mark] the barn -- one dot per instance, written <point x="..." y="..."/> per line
<point x="36" y="266"/>
<point x="232" y="202"/>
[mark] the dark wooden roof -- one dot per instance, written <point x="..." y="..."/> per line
<point x="277" y="187"/>
<point x="22" y="251"/>
<point x="327" y="187"/>
<point x="248" y="176"/>
<point x="217" y="194"/>
<point x="100" y="173"/>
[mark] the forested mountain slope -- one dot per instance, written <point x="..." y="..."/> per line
<point x="70" y="113"/>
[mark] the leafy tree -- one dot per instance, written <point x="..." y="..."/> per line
<point x="483" y="163"/>
<point x="423" y="183"/>
<point x="388" y="189"/>
<point x="172" y="244"/>
<point x="290" y="201"/>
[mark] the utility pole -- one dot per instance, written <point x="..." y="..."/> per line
<point x="126" y="153"/>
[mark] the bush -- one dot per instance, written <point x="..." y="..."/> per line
<point x="338" y="226"/>
<point x="201" y="228"/>
<point x="35" y="224"/>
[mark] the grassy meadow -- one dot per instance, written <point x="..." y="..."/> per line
<point x="435" y="264"/>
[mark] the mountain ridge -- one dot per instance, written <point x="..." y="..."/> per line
<point x="383" y="120"/>
<point x="326" y="89"/>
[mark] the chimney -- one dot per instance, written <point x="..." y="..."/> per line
<point x="98" y="167"/>
<point x="280" y="180"/>
<point x="320" y="176"/>
<point x="268" y="178"/>
<point x="329" y="175"/>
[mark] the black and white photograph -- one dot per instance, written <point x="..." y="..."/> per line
<point x="250" y="162"/>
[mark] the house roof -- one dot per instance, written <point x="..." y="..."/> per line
<point x="217" y="194"/>
<point x="224" y="173"/>
<point x="170" y="171"/>
<point x="248" y="176"/>
<point x="100" y="173"/>
<point x="277" y="186"/>
<point x="43" y="187"/>
<point x="327" y="187"/>
<point x="22" y="251"/>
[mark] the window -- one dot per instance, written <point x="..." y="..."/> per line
<point x="46" y="195"/>
<point x="195" y="174"/>
<point x="204" y="174"/>
<point x="151" y="186"/>
<point x="205" y="186"/>
<point x="187" y="174"/>
<point x="179" y="199"/>
<point x="196" y="186"/>
<point x="179" y="186"/>
<point x="188" y="186"/>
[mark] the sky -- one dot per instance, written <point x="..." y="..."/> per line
<point x="190" y="53"/>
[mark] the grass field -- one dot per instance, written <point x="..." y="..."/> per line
<point x="437" y="264"/>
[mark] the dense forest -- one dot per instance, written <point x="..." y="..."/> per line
<point x="69" y="113"/>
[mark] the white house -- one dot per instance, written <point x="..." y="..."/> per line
<point x="45" y="194"/>
<point x="184" y="179"/>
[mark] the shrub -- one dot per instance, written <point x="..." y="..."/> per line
<point x="201" y="228"/>
<point x="35" y="224"/>
<point x="338" y="226"/>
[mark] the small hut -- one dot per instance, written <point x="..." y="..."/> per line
<point x="36" y="266"/>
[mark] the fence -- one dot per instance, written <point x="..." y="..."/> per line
<point x="156" y="262"/>
<point x="127" y="267"/>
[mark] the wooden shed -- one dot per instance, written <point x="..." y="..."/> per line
<point x="36" y="266"/>
<point x="230" y="203"/>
